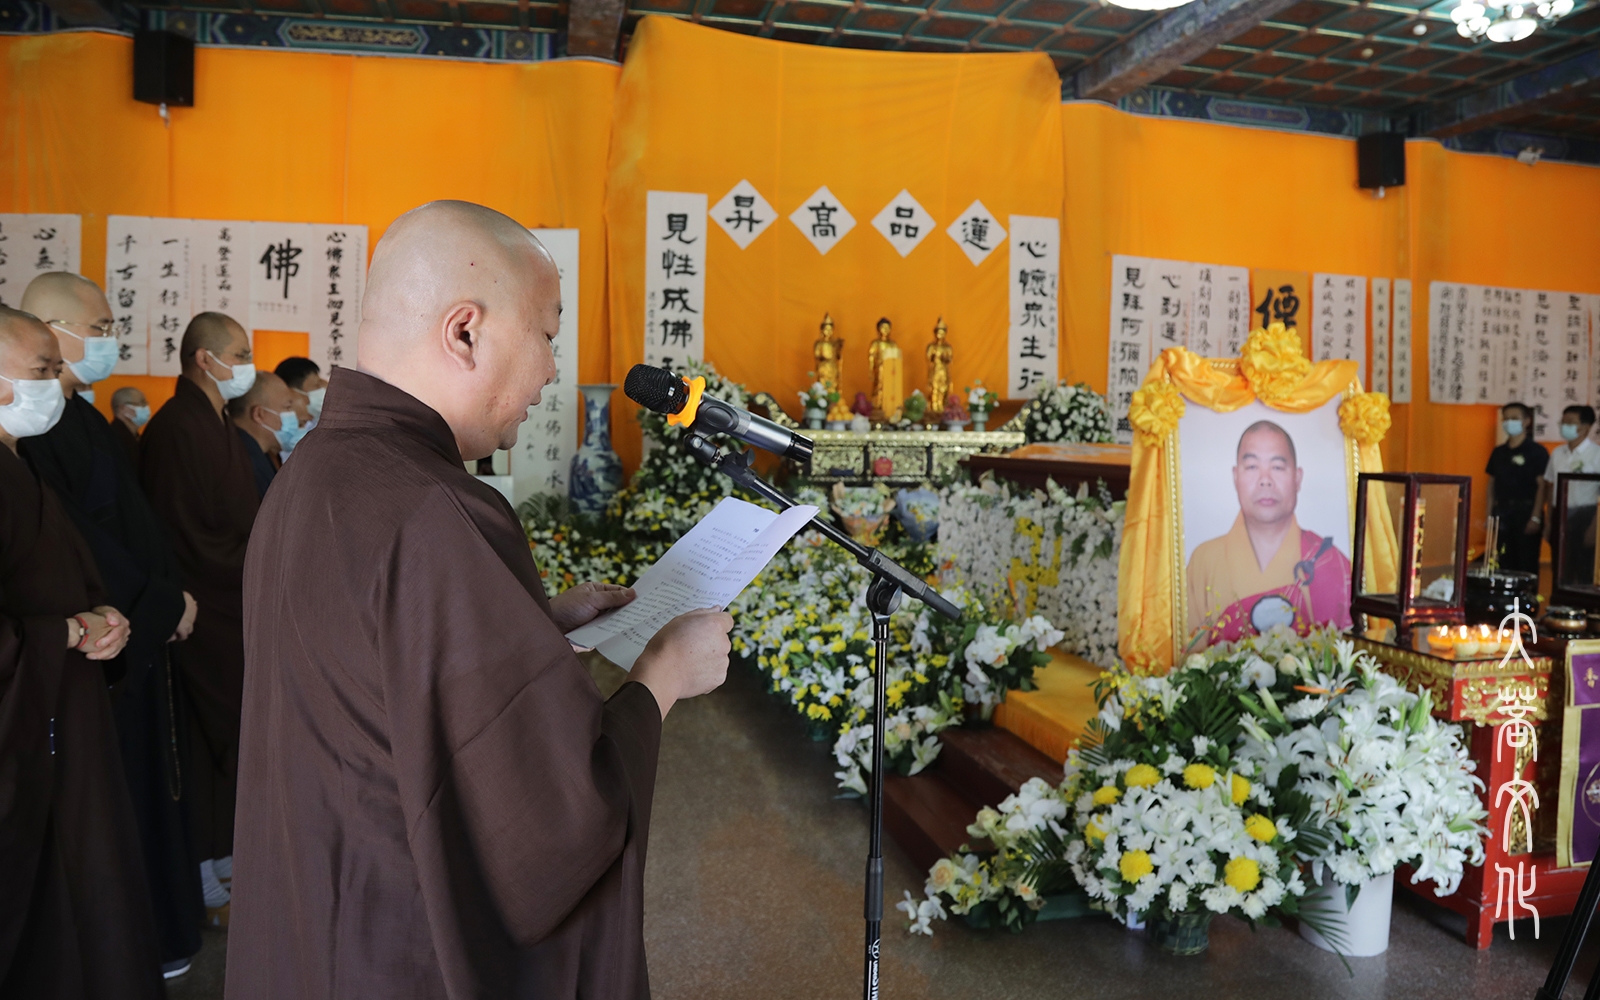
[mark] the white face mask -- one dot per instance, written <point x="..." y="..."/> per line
<point x="1513" y="427"/>
<point x="141" y="416"/>
<point x="35" y="406"/>
<point x="315" y="395"/>
<point x="1569" y="432"/>
<point x="99" y="357"/>
<point x="243" y="377"/>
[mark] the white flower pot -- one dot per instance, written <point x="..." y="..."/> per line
<point x="1365" y="924"/>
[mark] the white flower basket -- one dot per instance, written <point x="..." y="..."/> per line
<point x="1365" y="925"/>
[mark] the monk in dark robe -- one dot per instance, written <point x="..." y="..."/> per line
<point x="434" y="801"/>
<point x="74" y="909"/>
<point x="194" y="469"/>
<point x="87" y="467"/>
<point x="129" y="413"/>
<point x="265" y="421"/>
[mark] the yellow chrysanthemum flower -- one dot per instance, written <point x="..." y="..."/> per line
<point x="1261" y="828"/>
<point x="1135" y="865"/>
<point x="1239" y="788"/>
<point x="1106" y="795"/>
<point x="1199" y="776"/>
<point x="1093" y="832"/>
<point x="1141" y="776"/>
<point x="1242" y="874"/>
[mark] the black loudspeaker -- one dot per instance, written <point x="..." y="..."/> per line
<point x="163" y="68"/>
<point x="1381" y="160"/>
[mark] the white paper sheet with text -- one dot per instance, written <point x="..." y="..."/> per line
<point x="707" y="567"/>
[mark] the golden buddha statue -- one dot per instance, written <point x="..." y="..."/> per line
<point x="828" y="352"/>
<point x="939" y="354"/>
<point x="888" y="376"/>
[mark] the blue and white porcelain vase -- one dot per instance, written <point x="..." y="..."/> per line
<point x="596" y="469"/>
<point x="918" y="512"/>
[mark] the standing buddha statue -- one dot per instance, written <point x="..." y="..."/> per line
<point x="939" y="354"/>
<point x="828" y="352"/>
<point x="888" y="376"/>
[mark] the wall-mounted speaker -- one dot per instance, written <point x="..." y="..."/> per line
<point x="1381" y="160"/>
<point x="163" y="68"/>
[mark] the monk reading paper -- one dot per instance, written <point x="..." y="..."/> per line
<point x="1266" y="570"/>
<point x="434" y="800"/>
<point x="75" y="918"/>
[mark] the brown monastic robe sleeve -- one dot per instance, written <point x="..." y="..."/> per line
<point x="516" y="782"/>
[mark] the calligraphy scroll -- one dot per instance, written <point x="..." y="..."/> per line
<point x="1402" y="341"/>
<point x="1569" y="316"/>
<point x="675" y="277"/>
<point x="33" y="244"/>
<point x="1338" y="319"/>
<point x="1380" y="335"/>
<point x="548" y="439"/>
<point x="284" y="276"/>
<point x="1219" y="310"/>
<point x="219" y="255"/>
<point x="1035" y="271"/>
<point x="1281" y="297"/>
<point x="128" y="290"/>
<point x="1146" y="316"/>
<point x="339" y="258"/>
<point x="167" y="263"/>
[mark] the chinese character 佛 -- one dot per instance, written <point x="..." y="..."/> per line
<point x="280" y="262"/>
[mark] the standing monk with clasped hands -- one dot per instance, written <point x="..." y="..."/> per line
<point x="434" y="801"/>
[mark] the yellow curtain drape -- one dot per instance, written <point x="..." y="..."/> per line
<point x="1150" y="569"/>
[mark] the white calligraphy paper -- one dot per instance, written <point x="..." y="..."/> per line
<point x="743" y="214"/>
<point x="674" y="277"/>
<point x="1401" y="356"/>
<point x="220" y="252"/>
<point x="284" y="276"/>
<point x="1570" y="315"/>
<point x="823" y="219"/>
<point x="548" y="439"/>
<point x="1219" y="310"/>
<point x="13" y="226"/>
<point x="1032" y="350"/>
<point x="34" y="244"/>
<point x="167" y="262"/>
<point x="707" y="567"/>
<point x="338" y="259"/>
<point x="128" y="290"/>
<point x="1339" y="319"/>
<point x="976" y="232"/>
<point x="1380" y="335"/>
<point x="1147" y="316"/>
<point x="904" y="223"/>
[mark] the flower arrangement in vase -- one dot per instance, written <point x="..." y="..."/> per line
<point x="981" y="402"/>
<point x="1066" y="412"/>
<point x="955" y="415"/>
<point x="864" y="510"/>
<point x="815" y="402"/>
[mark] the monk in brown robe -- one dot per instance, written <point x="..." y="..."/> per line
<point x="74" y="909"/>
<point x="87" y="468"/>
<point x="1267" y="570"/>
<point x="129" y="413"/>
<point x="434" y="801"/>
<point x="194" y="469"/>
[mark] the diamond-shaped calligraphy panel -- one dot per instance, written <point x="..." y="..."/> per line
<point x="823" y="219"/>
<point x="976" y="232"/>
<point x="743" y="214"/>
<point x="904" y="223"/>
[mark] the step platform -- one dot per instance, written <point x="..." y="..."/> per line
<point x="928" y="814"/>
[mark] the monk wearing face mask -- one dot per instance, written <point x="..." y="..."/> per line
<point x="199" y="480"/>
<point x="76" y="917"/>
<point x="89" y="470"/>
<point x="130" y="411"/>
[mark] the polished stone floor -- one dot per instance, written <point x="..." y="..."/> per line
<point x="753" y="890"/>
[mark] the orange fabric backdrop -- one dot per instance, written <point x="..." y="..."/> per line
<point x="307" y="138"/>
<point x="700" y="109"/>
<point x="1186" y="190"/>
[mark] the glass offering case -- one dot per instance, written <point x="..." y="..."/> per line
<point x="1427" y="516"/>
<point x="1576" y="577"/>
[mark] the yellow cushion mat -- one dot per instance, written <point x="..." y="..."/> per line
<point x="1051" y="717"/>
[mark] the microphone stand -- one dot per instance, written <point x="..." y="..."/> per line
<point x="890" y="581"/>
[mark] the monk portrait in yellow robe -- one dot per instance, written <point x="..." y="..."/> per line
<point x="1267" y="570"/>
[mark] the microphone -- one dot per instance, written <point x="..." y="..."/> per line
<point x="663" y="391"/>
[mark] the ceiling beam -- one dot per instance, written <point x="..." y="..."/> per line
<point x="83" y="13"/>
<point x="1178" y="37"/>
<point x="594" y="27"/>
<point x="1514" y="98"/>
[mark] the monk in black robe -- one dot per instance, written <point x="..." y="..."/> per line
<point x="434" y="801"/>
<point x="194" y="469"/>
<point x="130" y="411"/>
<point x="87" y="467"/>
<point x="74" y="909"/>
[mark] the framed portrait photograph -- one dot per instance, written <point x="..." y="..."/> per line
<point x="1265" y="522"/>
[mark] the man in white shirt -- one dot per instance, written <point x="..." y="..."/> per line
<point x="1577" y="453"/>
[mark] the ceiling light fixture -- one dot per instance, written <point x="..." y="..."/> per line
<point x="1506" y="20"/>
<point x="1154" y="4"/>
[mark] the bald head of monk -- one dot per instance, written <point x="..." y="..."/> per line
<point x="259" y="412"/>
<point x="213" y="344"/>
<point x="27" y="353"/>
<point x="75" y="310"/>
<point x="461" y="306"/>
